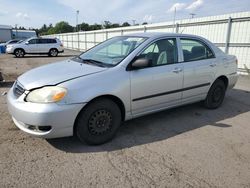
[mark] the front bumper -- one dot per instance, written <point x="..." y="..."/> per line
<point x="29" y="116"/>
<point x="9" y="50"/>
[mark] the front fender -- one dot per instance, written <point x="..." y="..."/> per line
<point x="84" y="89"/>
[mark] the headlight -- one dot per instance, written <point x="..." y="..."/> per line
<point x="47" y="94"/>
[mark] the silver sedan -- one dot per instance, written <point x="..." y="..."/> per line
<point x="122" y="78"/>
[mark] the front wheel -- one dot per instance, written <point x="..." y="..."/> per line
<point x="53" y="52"/>
<point x="98" y="122"/>
<point x="19" y="53"/>
<point x="215" y="95"/>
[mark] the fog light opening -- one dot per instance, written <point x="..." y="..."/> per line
<point x="39" y="128"/>
<point x="44" y="128"/>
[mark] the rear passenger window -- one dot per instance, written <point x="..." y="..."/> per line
<point x="194" y="50"/>
<point x="41" y="41"/>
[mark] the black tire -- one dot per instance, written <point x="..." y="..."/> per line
<point x="215" y="95"/>
<point x="98" y="122"/>
<point x="53" y="52"/>
<point x="19" y="53"/>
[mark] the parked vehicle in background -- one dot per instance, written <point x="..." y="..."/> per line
<point x="14" y="41"/>
<point x="20" y="41"/>
<point x="50" y="46"/>
<point x="122" y="78"/>
<point x="3" y="46"/>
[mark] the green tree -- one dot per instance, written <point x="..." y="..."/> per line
<point x="107" y="24"/>
<point x="63" y="27"/>
<point x="22" y="28"/>
<point x="95" y="27"/>
<point x="51" y="31"/>
<point x="125" y="24"/>
<point x="83" y="26"/>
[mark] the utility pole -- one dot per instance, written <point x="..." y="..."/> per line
<point x="77" y="14"/>
<point x="192" y="15"/>
<point x="16" y="31"/>
<point x="174" y="18"/>
<point x="133" y="22"/>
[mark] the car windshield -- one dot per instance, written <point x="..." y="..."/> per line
<point x="10" y="41"/>
<point x="112" y="51"/>
<point x="26" y="40"/>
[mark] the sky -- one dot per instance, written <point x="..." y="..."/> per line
<point x="35" y="13"/>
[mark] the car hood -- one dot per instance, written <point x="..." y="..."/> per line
<point x="56" y="73"/>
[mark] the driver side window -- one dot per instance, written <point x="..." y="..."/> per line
<point x="32" y="41"/>
<point x="161" y="52"/>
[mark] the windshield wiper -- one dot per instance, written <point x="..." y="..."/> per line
<point x="92" y="62"/>
<point x="78" y="59"/>
<point x="98" y="63"/>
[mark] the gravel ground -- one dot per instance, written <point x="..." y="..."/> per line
<point x="11" y="67"/>
<point x="187" y="146"/>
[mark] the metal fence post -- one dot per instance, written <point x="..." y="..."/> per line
<point x="106" y="35"/>
<point x="67" y="37"/>
<point x="85" y="41"/>
<point x="94" y="38"/>
<point x="72" y="41"/>
<point x="78" y="40"/>
<point x="177" y="28"/>
<point x="229" y="27"/>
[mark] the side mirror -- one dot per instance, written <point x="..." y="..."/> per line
<point x="140" y="63"/>
<point x="27" y="43"/>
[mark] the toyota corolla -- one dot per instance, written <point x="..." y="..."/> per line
<point x="122" y="78"/>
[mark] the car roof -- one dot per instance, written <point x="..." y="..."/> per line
<point x="42" y="38"/>
<point x="161" y="34"/>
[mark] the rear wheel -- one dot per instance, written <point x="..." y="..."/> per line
<point x="19" y="52"/>
<point x="53" y="52"/>
<point x="215" y="95"/>
<point x="98" y="122"/>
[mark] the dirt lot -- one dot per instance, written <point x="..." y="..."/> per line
<point x="11" y="67"/>
<point x="184" y="147"/>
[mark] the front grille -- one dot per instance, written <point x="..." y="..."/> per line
<point x="18" y="89"/>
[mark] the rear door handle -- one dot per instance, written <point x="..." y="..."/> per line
<point x="177" y="70"/>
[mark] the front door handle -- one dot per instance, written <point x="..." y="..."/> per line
<point x="177" y="70"/>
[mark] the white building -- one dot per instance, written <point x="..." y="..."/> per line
<point x="5" y="33"/>
<point x="23" y="34"/>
